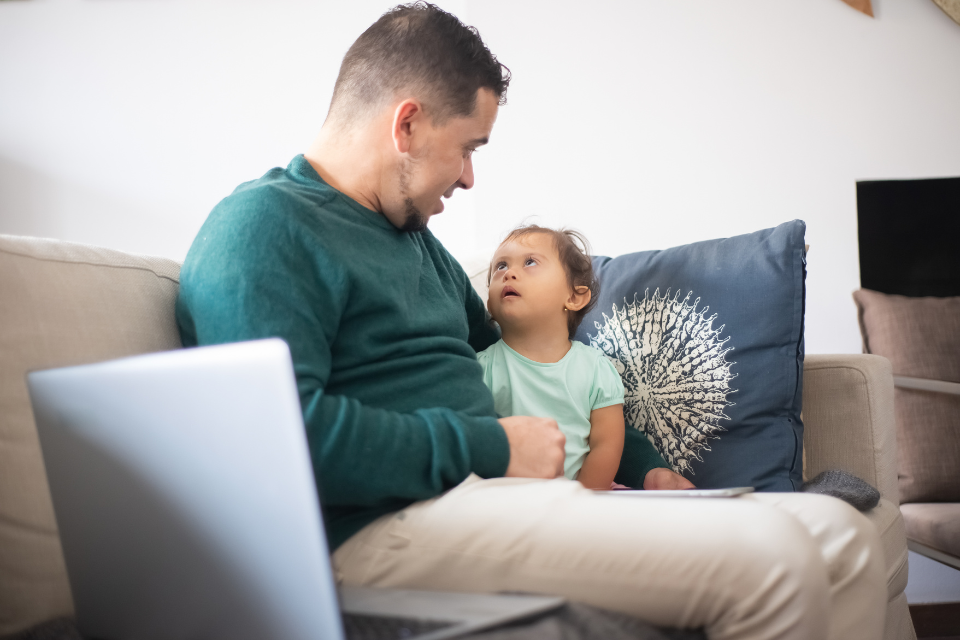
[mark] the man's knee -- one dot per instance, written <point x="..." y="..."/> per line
<point x="774" y="538"/>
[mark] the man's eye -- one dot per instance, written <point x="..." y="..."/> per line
<point x="469" y="152"/>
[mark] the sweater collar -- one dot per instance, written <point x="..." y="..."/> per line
<point x="302" y="171"/>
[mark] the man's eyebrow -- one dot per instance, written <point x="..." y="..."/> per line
<point x="477" y="142"/>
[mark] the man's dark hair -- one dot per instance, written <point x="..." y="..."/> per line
<point x="574" y="252"/>
<point x="419" y="48"/>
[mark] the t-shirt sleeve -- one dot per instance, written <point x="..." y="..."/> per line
<point x="607" y="386"/>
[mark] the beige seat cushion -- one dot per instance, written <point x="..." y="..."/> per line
<point x="936" y="525"/>
<point x="60" y="304"/>
<point x="921" y="338"/>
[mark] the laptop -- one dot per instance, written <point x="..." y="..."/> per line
<point x="185" y="499"/>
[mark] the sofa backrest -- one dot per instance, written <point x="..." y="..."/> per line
<point x="61" y="304"/>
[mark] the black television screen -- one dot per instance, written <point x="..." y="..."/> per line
<point x="909" y="232"/>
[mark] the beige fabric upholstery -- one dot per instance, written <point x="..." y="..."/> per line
<point x="899" y="623"/>
<point x="849" y="424"/>
<point x="935" y="524"/>
<point x="921" y="338"/>
<point x="888" y="521"/>
<point x="62" y="304"/>
<point x="848" y="419"/>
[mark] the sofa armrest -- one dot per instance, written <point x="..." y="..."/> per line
<point x="848" y="419"/>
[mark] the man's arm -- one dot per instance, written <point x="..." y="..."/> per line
<point x="536" y="447"/>
<point x="252" y="283"/>
<point x="483" y="331"/>
<point x="606" y="447"/>
<point x="642" y="466"/>
<point x="250" y="277"/>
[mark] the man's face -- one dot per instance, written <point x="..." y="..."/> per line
<point x="440" y="161"/>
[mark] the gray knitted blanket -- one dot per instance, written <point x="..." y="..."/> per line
<point x="845" y="486"/>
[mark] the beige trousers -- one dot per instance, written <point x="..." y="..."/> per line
<point x="782" y="565"/>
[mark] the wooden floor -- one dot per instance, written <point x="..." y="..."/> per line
<point x="936" y="621"/>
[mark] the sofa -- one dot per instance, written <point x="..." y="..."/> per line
<point x="65" y="304"/>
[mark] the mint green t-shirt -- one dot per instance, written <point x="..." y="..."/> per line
<point x="567" y="391"/>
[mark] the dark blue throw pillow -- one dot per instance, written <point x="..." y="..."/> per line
<point x="708" y="339"/>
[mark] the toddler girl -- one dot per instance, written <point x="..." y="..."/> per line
<point x="541" y="286"/>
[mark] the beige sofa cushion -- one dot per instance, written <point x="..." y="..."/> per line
<point x="936" y="525"/>
<point x="60" y="304"/>
<point x="921" y="338"/>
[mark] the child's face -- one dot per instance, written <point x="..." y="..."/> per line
<point x="528" y="283"/>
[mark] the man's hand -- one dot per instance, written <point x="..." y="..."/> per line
<point x="661" y="478"/>
<point x="536" y="447"/>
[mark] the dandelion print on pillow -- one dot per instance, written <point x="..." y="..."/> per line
<point x="675" y="372"/>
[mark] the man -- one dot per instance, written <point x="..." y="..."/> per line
<point x="422" y="485"/>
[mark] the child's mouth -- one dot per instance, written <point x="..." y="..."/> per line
<point x="509" y="292"/>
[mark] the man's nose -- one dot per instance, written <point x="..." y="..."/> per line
<point x="466" y="177"/>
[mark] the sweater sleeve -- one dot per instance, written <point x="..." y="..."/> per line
<point x="251" y="281"/>
<point x="638" y="459"/>
<point x="483" y="331"/>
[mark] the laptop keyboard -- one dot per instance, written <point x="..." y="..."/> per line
<point x="367" y="627"/>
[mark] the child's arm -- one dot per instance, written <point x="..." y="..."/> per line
<point x="606" y="446"/>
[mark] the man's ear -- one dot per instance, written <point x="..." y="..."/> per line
<point x="406" y="119"/>
<point x="579" y="298"/>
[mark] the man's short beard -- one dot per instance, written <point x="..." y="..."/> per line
<point x="415" y="221"/>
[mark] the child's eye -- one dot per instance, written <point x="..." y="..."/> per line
<point x="500" y="266"/>
<point x="529" y="261"/>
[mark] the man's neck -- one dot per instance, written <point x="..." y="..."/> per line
<point x="342" y="158"/>
<point x="539" y="345"/>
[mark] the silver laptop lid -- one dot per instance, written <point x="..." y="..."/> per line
<point x="180" y="515"/>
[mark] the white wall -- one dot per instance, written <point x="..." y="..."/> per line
<point x="645" y="124"/>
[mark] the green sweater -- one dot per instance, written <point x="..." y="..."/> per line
<point x="383" y="327"/>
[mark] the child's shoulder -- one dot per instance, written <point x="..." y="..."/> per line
<point x="490" y="351"/>
<point x="594" y="358"/>
<point x="587" y="353"/>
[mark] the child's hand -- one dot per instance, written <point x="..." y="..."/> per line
<point x="661" y="478"/>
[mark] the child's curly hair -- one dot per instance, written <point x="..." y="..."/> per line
<point x="574" y="251"/>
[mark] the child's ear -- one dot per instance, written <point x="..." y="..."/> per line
<point x="579" y="298"/>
